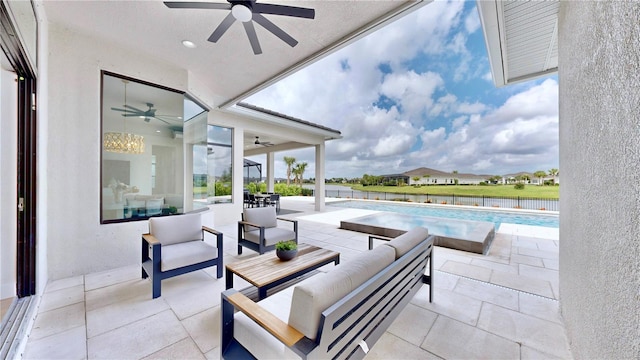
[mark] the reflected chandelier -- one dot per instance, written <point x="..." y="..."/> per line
<point x="123" y="142"/>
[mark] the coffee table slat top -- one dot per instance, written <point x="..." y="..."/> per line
<point x="266" y="269"/>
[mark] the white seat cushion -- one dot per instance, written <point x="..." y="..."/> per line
<point x="187" y="253"/>
<point x="314" y="296"/>
<point x="176" y="228"/>
<point x="255" y="338"/>
<point x="271" y="235"/>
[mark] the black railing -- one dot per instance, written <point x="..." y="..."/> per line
<point x="509" y="202"/>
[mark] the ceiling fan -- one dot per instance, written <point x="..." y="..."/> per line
<point x="263" y="143"/>
<point x="147" y="115"/>
<point x="246" y="11"/>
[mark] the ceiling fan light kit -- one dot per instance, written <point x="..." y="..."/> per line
<point x="248" y="12"/>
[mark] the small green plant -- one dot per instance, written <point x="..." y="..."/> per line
<point x="519" y="186"/>
<point x="173" y="210"/>
<point x="286" y="245"/>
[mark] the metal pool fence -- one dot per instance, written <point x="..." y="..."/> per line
<point x="510" y="202"/>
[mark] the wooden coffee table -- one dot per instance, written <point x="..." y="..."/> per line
<point x="266" y="271"/>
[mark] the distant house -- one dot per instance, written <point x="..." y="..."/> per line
<point x="436" y="177"/>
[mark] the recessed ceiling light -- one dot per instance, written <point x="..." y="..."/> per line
<point x="188" y="44"/>
<point x="157" y="131"/>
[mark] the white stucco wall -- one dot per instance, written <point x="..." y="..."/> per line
<point x="599" y="74"/>
<point x="77" y="242"/>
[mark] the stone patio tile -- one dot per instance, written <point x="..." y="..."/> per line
<point x="468" y="270"/>
<point x="183" y="349"/>
<point x="527" y="260"/>
<point x="449" y="303"/>
<point x="487" y="292"/>
<point x="390" y="346"/>
<point x="540" y="307"/>
<point x="551" y="264"/>
<point x="63" y="297"/>
<point x="538" y="273"/>
<point x="197" y="299"/>
<point x="64" y="283"/>
<point x="491" y="264"/>
<point x="523" y="283"/>
<point x="213" y="354"/>
<point x="74" y="345"/>
<point x="111" y="277"/>
<point x="58" y="320"/>
<point x="108" y="295"/>
<point x="538" y="253"/>
<point x="121" y="313"/>
<point x="527" y="353"/>
<point x="452" y="339"/>
<point x="204" y="329"/>
<point x="139" y="339"/>
<point x="413" y="324"/>
<point x="533" y="332"/>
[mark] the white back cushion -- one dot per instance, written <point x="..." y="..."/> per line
<point x="262" y="216"/>
<point x="176" y="228"/>
<point x="315" y="295"/>
<point x="408" y="240"/>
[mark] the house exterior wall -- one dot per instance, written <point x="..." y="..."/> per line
<point x="599" y="134"/>
<point x="77" y="243"/>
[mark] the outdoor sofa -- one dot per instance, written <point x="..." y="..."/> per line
<point x="337" y="314"/>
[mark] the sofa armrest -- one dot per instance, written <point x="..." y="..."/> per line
<point x="218" y="236"/>
<point x="275" y="326"/>
<point x="250" y="224"/>
<point x="150" y="239"/>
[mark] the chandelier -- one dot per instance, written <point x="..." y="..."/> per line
<point x="123" y="142"/>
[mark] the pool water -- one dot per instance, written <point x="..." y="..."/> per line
<point x="496" y="217"/>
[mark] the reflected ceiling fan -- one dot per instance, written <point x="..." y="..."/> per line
<point x="263" y="143"/>
<point x="147" y="115"/>
<point x="247" y="12"/>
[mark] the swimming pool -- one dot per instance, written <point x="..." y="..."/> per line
<point x="496" y="217"/>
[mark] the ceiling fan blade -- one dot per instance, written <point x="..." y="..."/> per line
<point x="222" y="28"/>
<point x="284" y="10"/>
<point x="196" y="5"/>
<point x="253" y="38"/>
<point x="134" y="108"/>
<point x="274" y="29"/>
<point x="123" y="110"/>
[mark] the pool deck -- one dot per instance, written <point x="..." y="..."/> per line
<point x="465" y="235"/>
<point x="503" y="305"/>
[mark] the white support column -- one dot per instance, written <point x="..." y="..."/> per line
<point x="319" y="190"/>
<point x="270" y="170"/>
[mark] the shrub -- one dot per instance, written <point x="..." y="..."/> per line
<point x="483" y="183"/>
<point x="519" y="186"/>
<point x="286" y="245"/>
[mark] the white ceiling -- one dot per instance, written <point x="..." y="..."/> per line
<point x="521" y="37"/>
<point x="229" y="67"/>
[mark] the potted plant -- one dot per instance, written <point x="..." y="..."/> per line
<point x="286" y="250"/>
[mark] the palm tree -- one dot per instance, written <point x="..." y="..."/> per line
<point x="289" y="161"/>
<point x="415" y="180"/>
<point x="554" y="172"/>
<point x="540" y="175"/>
<point x="298" y="171"/>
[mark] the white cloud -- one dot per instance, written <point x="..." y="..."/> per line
<point x="472" y="22"/>
<point x="343" y="92"/>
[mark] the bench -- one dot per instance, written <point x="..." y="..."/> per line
<point x="338" y="314"/>
<point x="175" y="245"/>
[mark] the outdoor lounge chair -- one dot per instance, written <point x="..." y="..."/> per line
<point x="259" y="230"/>
<point x="175" y="245"/>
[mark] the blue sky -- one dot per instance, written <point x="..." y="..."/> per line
<point x="419" y="93"/>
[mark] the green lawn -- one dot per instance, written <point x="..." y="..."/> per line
<point x="533" y="191"/>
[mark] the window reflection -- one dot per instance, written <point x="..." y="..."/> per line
<point x="145" y="149"/>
